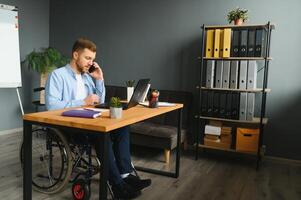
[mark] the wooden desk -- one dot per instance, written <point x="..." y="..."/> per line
<point x="100" y="127"/>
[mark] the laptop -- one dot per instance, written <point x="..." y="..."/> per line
<point x="138" y="94"/>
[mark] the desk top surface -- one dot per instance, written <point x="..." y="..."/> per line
<point x="103" y="123"/>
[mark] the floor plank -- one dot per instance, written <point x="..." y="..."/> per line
<point x="213" y="176"/>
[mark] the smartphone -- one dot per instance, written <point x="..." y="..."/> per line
<point x="92" y="69"/>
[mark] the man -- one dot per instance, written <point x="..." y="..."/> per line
<point x="72" y="86"/>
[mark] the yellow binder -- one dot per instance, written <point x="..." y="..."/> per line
<point x="217" y="36"/>
<point x="226" y="43"/>
<point x="221" y="43"/>
<point x="209" y="43"/>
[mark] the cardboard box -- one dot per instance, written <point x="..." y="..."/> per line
<point x="226" y="130"/>
<point x="226" y="138"/>
<point x="217" y="143"/>
<point x="247" y="140"/>
<point x="215" y="123"/>
<point x="212" y="137"/>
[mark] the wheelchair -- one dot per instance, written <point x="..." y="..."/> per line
<point x="58" y="160"/>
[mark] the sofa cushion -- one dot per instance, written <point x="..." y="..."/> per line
<point x="154" y="135"/>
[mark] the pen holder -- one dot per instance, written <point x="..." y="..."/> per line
<point x="154" y="99"/>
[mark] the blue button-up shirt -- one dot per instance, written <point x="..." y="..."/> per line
<point x="60" y="89"/>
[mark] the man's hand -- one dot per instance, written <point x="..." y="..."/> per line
<point x="97" y="73"/>
<point x="91" y="99"/>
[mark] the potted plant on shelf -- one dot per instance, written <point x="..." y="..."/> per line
<point x="129" y="88"/>
<point x="43" y="62"/>
<point x="115" y="108"/>
<point x="238" y="15"/>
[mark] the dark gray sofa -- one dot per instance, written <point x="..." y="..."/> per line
<point x="161" y="131"/>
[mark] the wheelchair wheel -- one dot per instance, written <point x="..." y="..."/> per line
<point x="81" y="190"/>
<point x="51" y="160"/>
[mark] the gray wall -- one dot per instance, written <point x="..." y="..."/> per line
<point x="161" y="40"/>
<point x="33" y="34"/>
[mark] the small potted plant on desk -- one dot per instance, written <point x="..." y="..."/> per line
<point x="115" y="108"/>
<point x="129" y="88"/>
<point x="237" y="15"/>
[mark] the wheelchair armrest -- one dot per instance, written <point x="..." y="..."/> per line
<point x="38" y="89"/>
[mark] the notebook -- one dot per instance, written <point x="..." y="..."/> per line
<point x="81" y="113"/>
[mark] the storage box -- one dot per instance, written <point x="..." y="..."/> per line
<point x="226" y="138"/>
<point x="212" y="137"/>
<point x="215" y="123"/>
<point x="216" y="143"/>
<point x="226" y="130"/>
<point x="247" y="140"/>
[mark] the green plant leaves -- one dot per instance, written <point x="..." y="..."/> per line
<point x="115" y="102"/>
<point x="238" y="13"/>
<point x="45" y="60"/>
<point x="130" y="83"/>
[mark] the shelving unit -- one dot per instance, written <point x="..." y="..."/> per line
<point x="259" y="121"/>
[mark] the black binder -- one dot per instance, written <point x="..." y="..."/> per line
<point x="210" y="104"/>
<point x="204" y="100"/>
<point x="235" y="105"/>
<point x="204" y="75"/>
<point x="251" y="43"/>
<point x="235" y="43"/>
<point x="216" y="99"/>
<point x="228" y="109"/>
<point x="260" y="43"/>
<point x="243" y="43"/>
<point x="223" y="104"/>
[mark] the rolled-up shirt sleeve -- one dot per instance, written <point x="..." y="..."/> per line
<point x="100" y="90"/>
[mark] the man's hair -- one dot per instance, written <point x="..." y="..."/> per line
<point x="83" y="43"/>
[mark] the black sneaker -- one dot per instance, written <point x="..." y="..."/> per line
<point x="137" y="183"/>
<point x="124" y="191"/>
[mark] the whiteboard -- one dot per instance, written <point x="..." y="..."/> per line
<point x="10" y="71"/>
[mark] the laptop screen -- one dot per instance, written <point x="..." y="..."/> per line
<point x="138" y="92"/>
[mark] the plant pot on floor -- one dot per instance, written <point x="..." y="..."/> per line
<point x="115" y="113"/>
<point x="43" y="79"/>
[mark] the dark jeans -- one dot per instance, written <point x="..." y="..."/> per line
<point x="118" y="151"/>
<point x="118" y="154"/>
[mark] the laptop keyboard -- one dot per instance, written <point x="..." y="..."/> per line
<point x="107" y="105"/>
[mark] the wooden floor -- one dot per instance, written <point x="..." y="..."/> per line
<point x="213" y="176"/>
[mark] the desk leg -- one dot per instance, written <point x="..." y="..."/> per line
<point x="27" y="161"/>
<point x="179" y="142"/>
<point x="103" y="175"/>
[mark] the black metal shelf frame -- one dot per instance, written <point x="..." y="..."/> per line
<point x="264" y="91"/>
